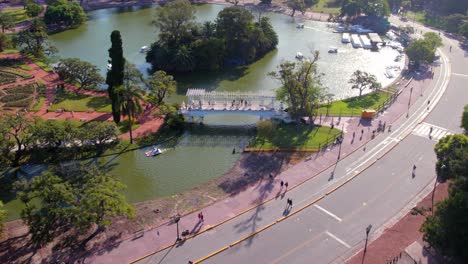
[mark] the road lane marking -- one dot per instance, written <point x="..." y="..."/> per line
<point x="296" y="248"/>
<point x="337" y="239"/>
<point x="460" y="74"/>
<point x="328" y="212"/>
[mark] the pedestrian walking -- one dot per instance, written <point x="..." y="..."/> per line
<point x="286" y="184"/>
<point x="201" y="217"/>
<point x="354" y="134"/>
<point x="430" y="130"/>
<point x="362" y="131"/>
<point x="450" y="48"/>
<point x="282" y="183"/>
<point x="290" y="202"/>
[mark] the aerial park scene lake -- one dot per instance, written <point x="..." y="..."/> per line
<point x="171" y="117"/>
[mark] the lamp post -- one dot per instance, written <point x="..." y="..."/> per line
<point x="368" y="229"/>
<point x="176" y="220"/>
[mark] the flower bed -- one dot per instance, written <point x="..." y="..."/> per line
<point x="26" y="89"/>
<point x="18" y="96"/>
<point x="13" y="97"/>
<point x="25" y="103"/>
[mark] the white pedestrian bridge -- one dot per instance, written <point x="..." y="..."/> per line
<point x="202" y="103"/>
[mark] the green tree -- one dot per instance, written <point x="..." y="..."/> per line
<point x="446" y="230"/>
<point x="351" y="8"/>
<point x="15" y="136"/>
<point x="452" y="157"/>
<point x="65" y="14"/>
<point x="33" y="9"/>
<point x="363" y="80"/>
<point x="463" y="29"/>
<point x="115" y="75"/>
<point x="433" y="39"/>
<point x="75" y="70"/>
<point x="4" y="42"/>
<point x="3" y="217"/>
<point x="300" y="87"/>
<point x="7" y="21"/>
<point x="296" y="5"/>
<point x="98" y="133"/>
<point x="77" y="200"/>
<point x="464" y="122"/>
<point x="47" y="133"/>
<point x="161" y="85"/>
<point x="131" y="95"/>
<point x="420" y="51"/>
<point x="34" y="40"/>
<point x="174" y="20"/>
<point x="453" y="22"/>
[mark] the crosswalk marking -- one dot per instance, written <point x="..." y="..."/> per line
<point x="424" y="129"/>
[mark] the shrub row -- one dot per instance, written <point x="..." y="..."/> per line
<point x="25" y="103"/>
<point x="27" y="89"/>
<point x="16" y="72"/>
<point x="6" y="78"/>
<point x="14" y="97"/>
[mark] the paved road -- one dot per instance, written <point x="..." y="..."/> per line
<point x="333" y="228"/>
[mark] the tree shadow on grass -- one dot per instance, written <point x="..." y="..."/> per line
<point x="98" y="102"/>
<point x="364" y="101"/>
<point x="63" y="94"/>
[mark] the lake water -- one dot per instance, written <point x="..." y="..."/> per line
<point x="199" y="157"/>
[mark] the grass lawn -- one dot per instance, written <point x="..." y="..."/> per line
<point x="296" y="136"/>
<point x="353" y="106"/>
<point x="9" y="51"/>
<point x="327" y="6"/>
<point x="71" y="101"/>
<point x="43" y="65"/>
<point x="38" y="104"/>
<point x="18" y="14"/>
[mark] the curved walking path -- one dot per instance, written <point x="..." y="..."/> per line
<point x="160" y="237"/>
<point x="148" y="123"/>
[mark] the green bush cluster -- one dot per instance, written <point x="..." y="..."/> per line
<point x="25" y="103"/>
<point x="16" y="72"/>
<point x="18" y="96"/>
<point x="233" y="39"/>
<point x="13" y="97"/>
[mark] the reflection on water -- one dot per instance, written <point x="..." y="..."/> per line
<point x="206" y="152"/>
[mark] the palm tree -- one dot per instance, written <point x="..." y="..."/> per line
<point x="131" y="95"/>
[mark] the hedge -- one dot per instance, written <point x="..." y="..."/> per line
<point x="14" y="97"/>
<point x="27" y="89"/>
<point x="22" y="103"/>
<point x="6" y="78"/>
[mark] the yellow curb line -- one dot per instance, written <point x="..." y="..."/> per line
<point x="241" y="213"/>
<point x="302" y="208"/>
<point x="211" y="255"/>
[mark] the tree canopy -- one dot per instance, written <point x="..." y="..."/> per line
<point x="3" y="216"/>
<point x="160" y="86"/>
<point x="464" y="122"/>
<point x="115" y="75"/>
<point x="64" y="14"/>
<point x="74" y="70"/>
<point x="32" y="9"/>
<point x="7" y="21"/>
<point x="73" y="199"/>
<point x="185" y="46"/>
<point x="301" y="88"/>
<point x="363" y="80"/>
<point x="34" y="40"/>
<point x="423" y="50"/>
<point x="353" y="8"/>
<point x="447" y="229"/>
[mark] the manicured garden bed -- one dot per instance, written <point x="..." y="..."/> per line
<point x="17" y="72"/>
<point x="18" y="96"/>
<point x="6" y="78"/>
<point x="19" y="15"/>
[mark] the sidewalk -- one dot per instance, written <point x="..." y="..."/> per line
<point x="158" y="237"/>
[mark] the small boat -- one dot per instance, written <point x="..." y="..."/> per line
<point x="333" y="50"/>
<point x="365" y="42"/>
<point x="144" y="49"/>
<point x="356" y="41"/>
<point x="299" y="55"/>
<point x="300" y="25"/>
<point x="109" y="66"/>
<point x="154" y="152"/>
<point x="345" y="38"/>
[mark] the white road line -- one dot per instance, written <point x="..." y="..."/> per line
<point x="460" y="74"/>
<point x="337" y="239"/>
<point x="328" y="212"/>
